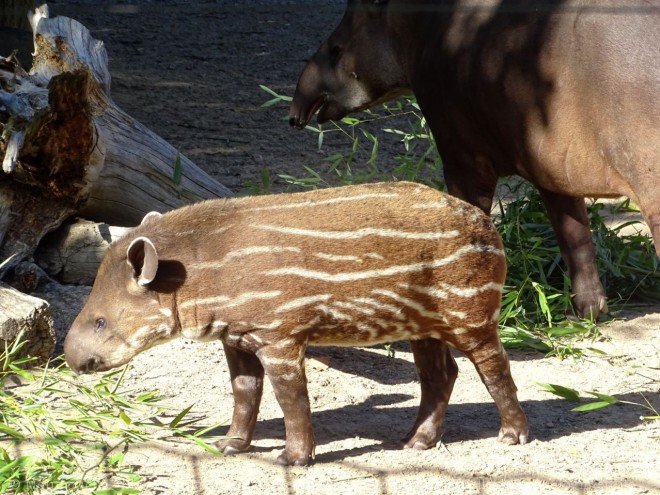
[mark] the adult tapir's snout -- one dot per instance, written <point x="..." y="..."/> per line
<point x="311" y="93"/>
<point x="353" y="69"/>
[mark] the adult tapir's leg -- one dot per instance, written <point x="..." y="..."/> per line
<point x="437" y="372"/>
<point x="247" y="379"/>
<point x="650" y="207"/>
<point x="472" y="179"/>
<point x="568" y="216"/>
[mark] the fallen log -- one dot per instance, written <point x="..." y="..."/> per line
<point x="28" y="317"/>
<point x="72" y="254"/>
<point x="67" y="149"/>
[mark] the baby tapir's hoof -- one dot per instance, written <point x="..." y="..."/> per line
<point x="286" y="460"/>
<point x="511" y="435"/>
<point x="232" y="446"/>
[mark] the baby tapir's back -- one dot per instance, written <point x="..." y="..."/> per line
<point x="355" y="265"/>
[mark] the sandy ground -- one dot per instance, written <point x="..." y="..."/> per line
<point x="364" y="402"/>
<point x="191" y="73"/>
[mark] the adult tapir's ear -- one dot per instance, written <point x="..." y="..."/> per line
<point x="152" y="215"/>
<point x="143" y="258"/>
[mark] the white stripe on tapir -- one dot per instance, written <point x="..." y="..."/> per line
<point x="445" y="289"/>
<point x="251" y="296"/>
<point x="243" y="252"/>
<point x="359" y="233"/>
<point x="431" y="204"/>
<point x="411" y="304"/>
<point x="338" y="257"/>
<point x="382" y="306"/>
<point x="228" y="302"/>
<point x="384" y="272"/>
<point x="302" y="301"/>
<point x="355" y="307"/>
<point x="323" y="202"/>
<point x="204" y="301"/>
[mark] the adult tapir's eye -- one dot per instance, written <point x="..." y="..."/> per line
<point x="100" y="324"/>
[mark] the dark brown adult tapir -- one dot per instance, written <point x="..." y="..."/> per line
<point x="271" y="275"/>
<point x="564" y="93"/>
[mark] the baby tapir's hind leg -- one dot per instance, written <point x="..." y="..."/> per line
<point x="492" y="364"/>
<point x="247" y="379"/>
<point x="437" y="372"/>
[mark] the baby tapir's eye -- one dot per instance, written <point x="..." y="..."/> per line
<point x="100" y="324"/>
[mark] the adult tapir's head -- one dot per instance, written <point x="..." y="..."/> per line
<point x="130" y="306"/>
<point x="353" y="69"/>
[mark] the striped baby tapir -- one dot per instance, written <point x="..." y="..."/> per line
<point x="271" y="275"/>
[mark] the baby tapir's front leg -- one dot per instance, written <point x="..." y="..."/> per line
<point x="284" y="364"/>
<point x="247" y="379"/>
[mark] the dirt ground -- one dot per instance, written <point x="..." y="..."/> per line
<point x="190" y="71"/>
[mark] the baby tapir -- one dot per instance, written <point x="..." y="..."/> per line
<point x="270" y="275"/>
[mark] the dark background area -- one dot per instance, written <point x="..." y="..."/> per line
<point x="191" y="71"/>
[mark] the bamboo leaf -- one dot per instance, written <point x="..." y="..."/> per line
<point x="610" y="399"/>
<point x="124" y="417"/>
<point x="180" y="416"/>
<point x="592" y="406"/>
<point x="561" y="391"/>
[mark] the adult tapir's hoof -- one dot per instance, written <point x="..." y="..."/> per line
<point x="590" y="304"/>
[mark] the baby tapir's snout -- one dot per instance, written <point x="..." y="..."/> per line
<point x="271" y="275"/>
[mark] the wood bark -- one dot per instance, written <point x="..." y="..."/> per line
<point x="67" y="148"/>
<point x="72" y="254"/>
<point x="29" y="317"/>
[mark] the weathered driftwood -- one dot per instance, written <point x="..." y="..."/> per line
<point x="66" y="148"/>
<point x="72" y="254"/>
<point x="20" y="313"/>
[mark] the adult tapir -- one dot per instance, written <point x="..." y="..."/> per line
<point x="563" y="93"/>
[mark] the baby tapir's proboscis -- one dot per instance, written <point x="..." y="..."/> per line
<point x="271" y="275"/>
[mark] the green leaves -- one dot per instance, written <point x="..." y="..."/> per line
<point x="79" y="432"/>
<point x="561" y="391"/>
<point x="277" y="98"/>
<point x="606" y="400"/>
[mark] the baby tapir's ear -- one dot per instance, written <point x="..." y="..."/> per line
<point x="143" y="258"/>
